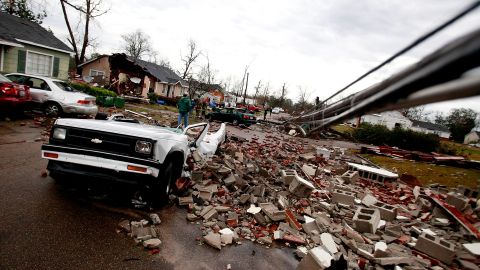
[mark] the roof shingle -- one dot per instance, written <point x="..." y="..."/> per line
<point x="14" y="28"/>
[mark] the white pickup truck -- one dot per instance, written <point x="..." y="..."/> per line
<point x="126" y="150"/>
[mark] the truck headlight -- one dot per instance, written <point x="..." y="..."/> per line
<point x="59" y="133"/>
<point x="143" y="147"/>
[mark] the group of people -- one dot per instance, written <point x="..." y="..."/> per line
<point x="185" y="105"/>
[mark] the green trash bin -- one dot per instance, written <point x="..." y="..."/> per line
<point x="109" y="101"/>
<point x="119" y="102"/>
<point x="100" y="100"/>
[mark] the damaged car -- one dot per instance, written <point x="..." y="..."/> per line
<point x="126" y="150"/>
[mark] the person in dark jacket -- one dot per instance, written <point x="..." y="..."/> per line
<point x="184" y="106"/>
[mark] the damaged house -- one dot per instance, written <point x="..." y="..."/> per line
<point x="136" y="77"/>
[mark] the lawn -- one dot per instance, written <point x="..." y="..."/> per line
<point x="466" y="151"/>
<point x="342" y="128"/>
<point x="428" y="173"/>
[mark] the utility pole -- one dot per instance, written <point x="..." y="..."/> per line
<point x="246" y="87"/>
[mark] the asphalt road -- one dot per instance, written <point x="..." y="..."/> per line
<point x="46" y="226"/>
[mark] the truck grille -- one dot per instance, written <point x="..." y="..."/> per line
<point x="103" y="141"/>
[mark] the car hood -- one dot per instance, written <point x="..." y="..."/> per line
<point x="130" y="129"/>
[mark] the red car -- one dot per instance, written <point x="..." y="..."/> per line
<point x="249" y="107"/>
<point x="14" y="97"/>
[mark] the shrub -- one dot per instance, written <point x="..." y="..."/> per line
<point x="94" y="91"/>
<point x="153" y="98"/>
<point x="399" y="137"/>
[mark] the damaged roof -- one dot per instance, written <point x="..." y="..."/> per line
<point x="161" y="73"/>
<point x="430" y="126"/>
<point x="13" y="28"/>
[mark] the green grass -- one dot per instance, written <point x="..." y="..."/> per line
<point x="466" y="151"/>
<point x="428" y="173"/>
<point x="343" y="129"/>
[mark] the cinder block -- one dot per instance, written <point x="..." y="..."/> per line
<point x="350" y="177"/>
<point x="387" y="211"/>
<point x="436" y="247"/>
<point x="310" y="169"/>
<point x="342" y="196"/>
<point x="272" y="211"/>
<point x="460" y="201"/>
<point x="366" y="219"/>
<point x="288" y="176"/>
<point x="300" y="187"/>
<point x="470" y="193"/>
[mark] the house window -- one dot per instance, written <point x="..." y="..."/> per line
<point x="39" y="64"/>
<point x="94" y="72"/>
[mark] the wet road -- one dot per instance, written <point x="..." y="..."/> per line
<point x="45" y="226"/>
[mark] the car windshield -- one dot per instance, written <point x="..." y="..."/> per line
<point x="4" y="79"/>
<point x="65" y="86"/>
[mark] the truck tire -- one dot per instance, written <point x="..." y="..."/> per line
<point x="165" y="185"/>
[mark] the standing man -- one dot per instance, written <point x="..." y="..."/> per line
<point x="184" y="106"/>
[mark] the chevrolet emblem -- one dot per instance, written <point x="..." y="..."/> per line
<point x="95" y="140"/>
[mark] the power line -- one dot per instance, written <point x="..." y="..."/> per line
<point x="419" y="40"/>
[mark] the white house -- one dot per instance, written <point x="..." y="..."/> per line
<point x="427" y="127"/>
<point x="390" y="119"/>
<point x="472" y="137"/>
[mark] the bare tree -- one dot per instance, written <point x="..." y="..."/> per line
<point x="283" y="93"/>
<point x="207" y="74"/>
<point x="80" y="40"/>
<point x="240" y="88"/>
<point x="266" y="92"/>
<point x="191" y="56"/>
<point x="415" y="113"/>
<point x="303" y="95"/>
<point x="257" y="89"/>
<point x="138" y="45"/>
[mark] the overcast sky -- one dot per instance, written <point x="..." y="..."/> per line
<point x="317" y="45"/>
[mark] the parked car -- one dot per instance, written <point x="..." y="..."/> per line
<point x="125" y="150"/>
<point x="232" y="115"/>
<point x="54" y="96"/>
<point x="277" y="110"/>
<point x="249" y="107"/>
<point x="14" y="97"/>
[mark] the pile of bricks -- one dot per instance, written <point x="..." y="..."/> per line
<point x="283" y="192"/>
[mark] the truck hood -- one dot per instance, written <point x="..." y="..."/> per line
<point x="131" y="129"/>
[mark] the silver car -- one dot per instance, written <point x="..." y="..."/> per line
<point x="56" y="96"/>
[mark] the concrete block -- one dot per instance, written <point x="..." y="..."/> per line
<point x="185" y="200"/>
<point x="230" y="180"/>
<point x="323" y="152"/>
<point x="287" y="176"/>
<point x="342" y="196"/>
<point x="152" y="243"/>
<point x="387" y="211"/>
<point x="310" y="169"/>
<point x="436" y="247"/>
<point x="214" y="240"/>
<point x="317" y="258"/>
<point x="460" y="201"/>
<point x="350" y="177"/>
<point x="366" y="219"/>
<point x="272" y="211"/>
<point x="301" y="187"/>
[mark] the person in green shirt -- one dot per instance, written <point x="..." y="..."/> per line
<point x="184" y="106"/>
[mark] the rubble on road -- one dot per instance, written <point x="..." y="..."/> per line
<point x="282" y="191"/>
<point x="143" y="232"/>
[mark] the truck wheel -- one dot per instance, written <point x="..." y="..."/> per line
<point x="52" y="109"/>
<point x="59" y="178"/>
<point x="166" y="181"/>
